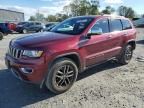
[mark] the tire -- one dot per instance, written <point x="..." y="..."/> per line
<point x="57" y="81"/>
<point x="126" y="55"/>
<point x="41" y="30"/>
<point x="1" y="35"/>
<point x="24" y="31"/>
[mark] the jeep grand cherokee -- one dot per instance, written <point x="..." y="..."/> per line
<point x="55" y="58"/>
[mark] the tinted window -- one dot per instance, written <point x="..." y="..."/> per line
<point x="73" y="26"/>
<point x="31" y="24"/>
<point x="116" y="25"/>
<point x="48" y="25"/>
<point x="22" y="23"/>
<point x="126" y="24"/>
<point x="102" y="25"/>
<point x="38" y="23"/>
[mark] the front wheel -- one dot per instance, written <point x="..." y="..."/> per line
<point x="126" y="55"/>
<point x="61" y="76"/>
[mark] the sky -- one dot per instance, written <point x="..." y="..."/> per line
<point x="48" y="7"/>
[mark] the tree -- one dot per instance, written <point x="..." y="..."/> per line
<point x="51" y="18"/>
<point x="32" y="18"/>
<point x="39" y="17"/>
<point x="108" y="10"/>
<point x="61" y="17"/>
<point x="126" y="12"/>
<point x="84" y="7"/>
<point x="94" y="7"/>
<point x="56" y="18"/>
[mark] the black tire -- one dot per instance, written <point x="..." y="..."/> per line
<point x="57" y="81"/>
<point x="1" y="35"/>
<point x="126" y="55"/>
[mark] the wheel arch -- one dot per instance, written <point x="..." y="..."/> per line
<point x="73" y="56"/>
<point x="132" y="43"/>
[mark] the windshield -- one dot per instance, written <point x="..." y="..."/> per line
<point x="73" y="26"/>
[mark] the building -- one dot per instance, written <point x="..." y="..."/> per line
<point x="11" y="16"/>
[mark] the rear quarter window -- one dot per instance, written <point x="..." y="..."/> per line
<point x="126" y="24"/>
<point x="115" y="25"/>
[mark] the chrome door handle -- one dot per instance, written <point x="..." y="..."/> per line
<point x="109" y="36"/>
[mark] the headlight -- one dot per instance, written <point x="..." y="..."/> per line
<point x="32" y="53"/>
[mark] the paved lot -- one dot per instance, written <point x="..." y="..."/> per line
<point x="109" y="85"/>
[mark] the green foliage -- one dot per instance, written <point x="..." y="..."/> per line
<point x="126" y="12"/>
<point x="51" y="18"/>
<point x="37" y="17"/>
<point x="83" y="7"/>
<point x="108" y="10"/>
<point x="56" y="18"/>
<point x="32" y="18"/>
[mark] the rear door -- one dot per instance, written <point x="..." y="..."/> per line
<point x="31" y="26"/>
<point x="128" y="30"/>
<point x="115" y="39"/>
<point x="38" y="26"/>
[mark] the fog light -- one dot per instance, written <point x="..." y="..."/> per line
<point x="27" y="70"/>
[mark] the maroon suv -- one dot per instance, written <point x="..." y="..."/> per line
<point x="55" y="58"/>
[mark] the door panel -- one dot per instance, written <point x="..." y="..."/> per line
<point x="94" y="49"/>
<point x="114" y="43"/>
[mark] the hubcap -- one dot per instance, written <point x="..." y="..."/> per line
<point x="64" y="76"/>
<point x="128" y="53"/>
<point x="24" y="31"/>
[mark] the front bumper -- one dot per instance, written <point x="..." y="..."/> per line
<point x="38" y="65"/>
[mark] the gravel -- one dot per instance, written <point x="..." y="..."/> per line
<point x="108" y="85"/>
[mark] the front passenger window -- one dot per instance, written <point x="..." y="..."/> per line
<point x="101" y="25"/>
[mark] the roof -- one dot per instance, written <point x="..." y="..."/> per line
<point x="11" y="11"/>
<point x="100" y="16"/>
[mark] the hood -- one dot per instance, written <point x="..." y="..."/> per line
<point x="39" y="38"/>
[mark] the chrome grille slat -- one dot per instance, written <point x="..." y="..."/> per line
<point x="17" y="53"/>
<point x="14" y="52"/>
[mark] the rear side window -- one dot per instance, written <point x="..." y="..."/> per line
<point x="103" y="25"/>
<point x="116" y="25"/>
<point x="126" y="24"/>
<point x="38" y="23"/>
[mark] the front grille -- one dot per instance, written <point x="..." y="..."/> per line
<point x="14" y="52"/>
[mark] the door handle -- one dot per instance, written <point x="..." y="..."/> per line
<point x="109" y="36"/>
<point x="125" y="34"/>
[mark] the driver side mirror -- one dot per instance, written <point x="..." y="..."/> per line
<point x="95" y="31"/>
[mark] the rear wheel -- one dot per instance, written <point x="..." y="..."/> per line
<point x="126" y="55"/>
<point x="1" y="35"/>
<point x="61" y="76"/>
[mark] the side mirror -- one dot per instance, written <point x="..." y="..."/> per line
<point x="95" y="31"/>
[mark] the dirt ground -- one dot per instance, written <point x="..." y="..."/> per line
<point x="109" y="85"/>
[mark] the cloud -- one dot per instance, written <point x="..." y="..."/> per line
<point x="113" y="1"/>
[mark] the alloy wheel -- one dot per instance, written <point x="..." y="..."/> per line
<point x="65" y="75"/>
<point x="128" y="54"/>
